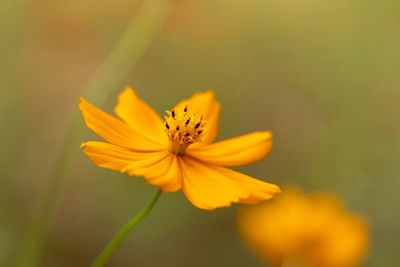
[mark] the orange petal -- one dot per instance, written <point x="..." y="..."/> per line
<point x="209" y="187"/>
<point x="205" y="104"/>
<point x="112" y="156"/>
<point x="167" y="175"/>
<point x="161" y="170"/>
<point x="158" y="168"/>
<point x="140" y="116"/>
<point x="259" y="191"/>
<point x="114" y="130"/>
<point x="236" y="151"/>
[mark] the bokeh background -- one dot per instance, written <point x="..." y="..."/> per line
<point x="323" y="76"/>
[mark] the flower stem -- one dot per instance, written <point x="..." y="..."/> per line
<point x="117" y="239"/>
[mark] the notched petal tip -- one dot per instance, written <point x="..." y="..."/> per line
<point x="128" y="90"/>
<point x="268" y="134"/>
<point x="128" y="87"/>
<point x="278" y="190"/>
<point x="82" y="102"/>
<point x="209" y="208"/>
<point x="209" y="93"/>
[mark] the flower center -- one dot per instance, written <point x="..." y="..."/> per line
<point x="183" y="129"/>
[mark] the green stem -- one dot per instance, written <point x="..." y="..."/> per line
<point x="143" y="29"/>
<point x="117" y="239"/>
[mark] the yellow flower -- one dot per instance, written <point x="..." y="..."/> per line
<point x="305" y="231"/>
<point x="178" y="153"/>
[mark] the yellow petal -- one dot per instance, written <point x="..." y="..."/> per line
<point x="167" y="175"/>
<point x="112" y="156"/>
<point x="161" y="170"/>
<point x="114" y="130"/>
<point x="205" y="104"/>
<point x="258" y="190"/>
<point x="209" y="187"/>
<point x="236" y="151"/>
<point x="140" y="116"/>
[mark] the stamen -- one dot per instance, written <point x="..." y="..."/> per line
<point x="183" y="129"/>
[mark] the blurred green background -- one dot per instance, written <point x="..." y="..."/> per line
<point x="323" y="76"/>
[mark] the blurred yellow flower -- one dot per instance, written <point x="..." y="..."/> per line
<point x="178" y="153"/>
<point x="301" y="230"/>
